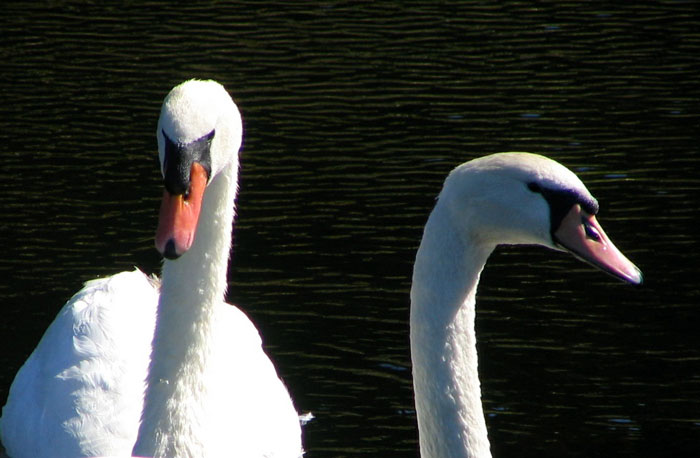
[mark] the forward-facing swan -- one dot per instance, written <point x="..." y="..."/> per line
<point x="508" y="198"/>
<point x="210" y="390"/>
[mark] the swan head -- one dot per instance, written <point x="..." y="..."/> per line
<point x="199" y="135"/>
<point x="523" y="198"/>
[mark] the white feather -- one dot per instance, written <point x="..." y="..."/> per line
<point x="211" y="390"/>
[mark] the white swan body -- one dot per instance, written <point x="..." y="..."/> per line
<point x="80" y="392"/>
<point x="209" y="390"/>
<point x="507" y="198"/>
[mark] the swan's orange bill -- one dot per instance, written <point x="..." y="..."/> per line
<point x="179" y="214"/>
<point x="580" y="233"/>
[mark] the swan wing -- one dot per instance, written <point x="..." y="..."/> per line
<point x="257" y="410"/>
<point x="80" y="393"/>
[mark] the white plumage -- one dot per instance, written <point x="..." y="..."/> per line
<point x="210" y="390"/>
<point x="80" y="392"/>
<point x="507" y="198"/>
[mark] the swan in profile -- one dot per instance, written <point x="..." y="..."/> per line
<point x="169" y="369"/>
<point x="506" y="198"/>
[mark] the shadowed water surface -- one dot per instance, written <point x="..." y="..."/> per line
<point x="354" y="114"/>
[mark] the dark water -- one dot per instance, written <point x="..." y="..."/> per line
<point x="354" y="114"/>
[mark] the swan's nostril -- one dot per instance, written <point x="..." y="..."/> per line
<point x="170" y="251"/>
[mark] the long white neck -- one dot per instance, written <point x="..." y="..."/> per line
<point x="174" y="417"/>
<point x="443" y="342"/>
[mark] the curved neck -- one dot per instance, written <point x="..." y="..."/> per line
<point x="443" y="342"/>
<point x="175" y="404"/>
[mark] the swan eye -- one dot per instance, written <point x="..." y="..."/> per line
<point x="534" y="187"/>
<point x="591" y="232"/>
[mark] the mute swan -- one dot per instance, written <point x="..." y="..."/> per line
<point x="507" y="198"/>
<point x="210" y="389"/>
